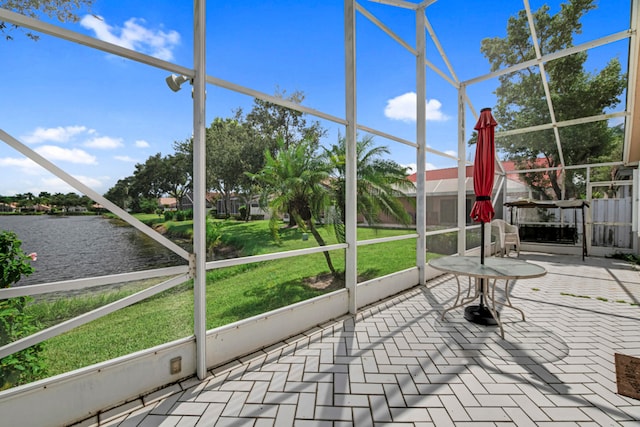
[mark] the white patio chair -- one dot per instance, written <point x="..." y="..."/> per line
<point x="506" y="237"/>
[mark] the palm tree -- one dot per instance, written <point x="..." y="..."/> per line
<point x="380" y="183"/>
<point x="294" y="181"/>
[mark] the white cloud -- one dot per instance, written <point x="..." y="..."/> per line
<point x="26" y="166"/>
<point x="54" y="184"/>
<point x="413" y="168"/>
<point x="126" y="159"/>
<point x="134" y="35"/>
<point x="142" y="144"/>
<point x="73" y="155"/>
<point x="403" y="107"/>
<point x="35" y="179"/>
<point x="58" y="134"/>
<point x="104" y="143"/>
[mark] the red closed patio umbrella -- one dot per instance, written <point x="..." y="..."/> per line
<point x="484" y="167"/>
<point x="482" y="211"/>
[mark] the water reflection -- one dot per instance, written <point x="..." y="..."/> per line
<point x="85" y="246"/>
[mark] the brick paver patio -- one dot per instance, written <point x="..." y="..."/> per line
<point x="397" y="364"/>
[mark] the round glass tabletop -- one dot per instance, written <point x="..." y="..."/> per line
<point x="494" y="268"/>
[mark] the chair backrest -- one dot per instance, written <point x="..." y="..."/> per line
<point x="498" y="225"/>
<point x="501" y="228"/>
<point x="506" y="234"/>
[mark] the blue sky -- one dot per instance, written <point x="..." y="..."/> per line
<point x="96" y="115"/>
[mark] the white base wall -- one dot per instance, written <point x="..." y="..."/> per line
<point x="76" y="395"/>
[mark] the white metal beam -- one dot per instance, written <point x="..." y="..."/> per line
<point x="462" y="172"/>
<point x="72" y="36"/>
<point x="407" y="46"/>
<point x="398" y="3"/>
<point x="70" y="324"/>
<point x="421" y="139"/>
<point x="631" y="151"/>
<point x="593" y="165"/>
<point x="384" y="28"/>
<point x="351" y="193"/>
<point x="199" y="187"/>
<point x="565" y="123"/>
<point x="545" y="82"/>
<point x="88" y="283"/>
<point x="551" y="56"/>
<point x="405" y="142"/>
<point x="387" y="239"/>
<point x="441" y="51"/>
<point x="273" y="99"/>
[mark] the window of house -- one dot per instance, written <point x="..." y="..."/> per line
<point x="448" y="213"/>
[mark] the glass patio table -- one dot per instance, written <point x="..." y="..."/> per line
<point x="489" y="273"/>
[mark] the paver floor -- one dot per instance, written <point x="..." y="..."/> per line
<point x="398" y="364"/>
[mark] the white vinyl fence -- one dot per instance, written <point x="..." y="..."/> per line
<point x="611" y="219"/>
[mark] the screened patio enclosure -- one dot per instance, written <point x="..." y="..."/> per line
<point x="417" y="40"/>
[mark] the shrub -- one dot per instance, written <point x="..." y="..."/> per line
<point x="242" y="210"/>
<point x="25" y="365"/>
<point x="168" y="216"/>
<point x="180" y="216"/>
<point x="631" y="258"/>
<point x="214" y="235"/>
<point x="148" y="205"/>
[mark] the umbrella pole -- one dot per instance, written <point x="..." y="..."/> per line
<point x="481" y="263"/>
<point x="480" y="314"/>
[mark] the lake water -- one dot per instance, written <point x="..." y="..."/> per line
<point x="76" y="247"/>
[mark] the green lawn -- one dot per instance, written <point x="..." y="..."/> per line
<point x="233" y="293"/>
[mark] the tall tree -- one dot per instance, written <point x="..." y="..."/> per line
<point x="176" y="177"/>
<point x="294" y="182"/>
<point x="147" y="181"/>
<point x="44" y="198"/>
<point x="58" y="201"/>
<point x="156" y="177"/>
<point x="610" y="173"/>
<point x="119" y="193"/>
<point x="28" y="200"/>
<point x="233" y="149"/>
<point x="575" y="93"/>
<point x="63" y="10"/>
<point x="277" y="123"/>
<point x="380" y="185"/>
<point x="282" y="126"/>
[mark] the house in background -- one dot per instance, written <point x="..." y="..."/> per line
<point x="7" y="207"/>
<point x="37" y="208"/>
<point x="76" y="209"/>
<point x="171" y="203"/>
<point x="442" y="194"/>
<point x="168" y="203"/>
<point x="236" y="202"/>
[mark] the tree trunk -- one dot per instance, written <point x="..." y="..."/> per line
<point x="321" y="242"/>
<point x="227" y="204"/>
